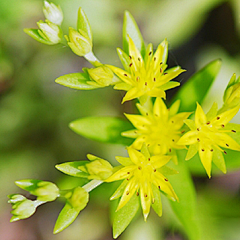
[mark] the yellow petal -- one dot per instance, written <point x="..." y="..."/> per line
<point x="188" y="138"/>
<point x="121" y="174"/>
<point x="160" y="109"/>
<point x="218" y="160"/>
<point x="132" y="93"/>
<point x="192" y="150"/>
<point x="224" y="140"/>
<point x="206" y="153"/>
<point x="200" y="117"/>
<point x="138" y="121"/>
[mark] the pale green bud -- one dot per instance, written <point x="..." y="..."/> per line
<point x="53" y="13"/>
<point x="99" y="169"/>
<point x="46" y="191"/>
<point x="22" y="207"/>
<point x="50" y="31"/>
<point x="78" y="198"/>
<point x="231" y="96"/>
<point x="79" y="42"/>
<point x="102" y="75"/>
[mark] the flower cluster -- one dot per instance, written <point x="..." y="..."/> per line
<point x="159" y="132"/>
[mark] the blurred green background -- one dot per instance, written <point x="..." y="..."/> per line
<point x="35" y="111"/>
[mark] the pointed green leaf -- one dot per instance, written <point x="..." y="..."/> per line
<point x="76" y="81"/>
<point x="65" y="218"/>
<point x="130" y="28"/>
<point x="196" y="88"/>
<point x="72" y="168"/>
<point x="124" y="216"/>
<point x="185" y="209"/>
<point x="103" y="129"/>
<point x="83" y="23"/>
<point x="34" y="33"/>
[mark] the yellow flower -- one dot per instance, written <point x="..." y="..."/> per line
<point x="208" y="134"/>
<point x="142" y="176"/>
<point x="145" y="76"/>
<point x="158" y="127"/>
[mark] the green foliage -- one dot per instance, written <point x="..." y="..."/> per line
<point x="103" y="129"/>
<point x="196" y="88"/>
<point x="124" y="216"/>
<point x="130" y="29"/>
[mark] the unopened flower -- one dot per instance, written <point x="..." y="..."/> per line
<point x="50" y="31"/>
<point x="158" y="127"/>
<point x="53" y="13"/>
<point x="146" y="76"/>
<point x="232" y="93"/>
<point x="102" y="76"/>
<point x="141" y="174"/>
<point x="79" y="42"/>
<point x="22" y="207"/>
<point x="208" y="134"/>
<point x="98" y="168"/>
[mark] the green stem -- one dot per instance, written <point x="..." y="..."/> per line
<point x="92" y="59"/>
<point x="91" y="185"/>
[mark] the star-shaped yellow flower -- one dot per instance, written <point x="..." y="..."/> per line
<point x="158" y="127"/>
<point x="145" y="76"/>
<point x="208" y="133"/>
<point x="142" y="176"/>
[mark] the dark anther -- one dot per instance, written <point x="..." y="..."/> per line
<point x="202" y="150"/>
<point x="208" y="123"/>
<point x="198" y="139"/>
<point x="159" y="187"/>
<point x="211" y="150"/>
<point x="130" y="56"/>
<point x="145" y="195"/>
<point x="218" y="118"/>
<point x="148" y="145"/>
<point x="127" y="193"/>
<point x="227" y="145"/>
<point x="155" y="170"/>
<point x="166" y="179"/>
<point x="164" y="73"/>
<point x="137" y="78"/>
<point x="130" y="64"/>
<point x="128" y="172"/>
<point x="139" y="168"/>
<point x="125" y="74"/>
<point x="145" y="83"/>
<point x="173" y="140"/>
<point x="170" y="150"/>
<point x="233" y="131"/>
<point x="139" y="59"/>
<point x="223" y="125"/>
<point x="197" y="129"/>
<point x="155" y="59"/>
<point x="149" y="159"/>
<point x="183" y="131"/>
<point x="137" y="193"/>
<point x="160" y="63"/>
<point x="146" y="114"/>
<point x="150" y="53"/>
<point x="154" y="79"/>
<point x="225" y="152"/>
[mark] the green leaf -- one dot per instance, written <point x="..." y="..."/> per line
<point x="124" y="216"/>
<point x="83" y="23"/>
<point x="72" y="168"/>
<point x="34" y="33"/>
<point x="65" y="218"/>
<point x="196" y="88"/>
<point x="77" y="201"/>
<point x="103" y="129"/>
<point x="76" y="81"/>
<point x="185" y="209"/>
<point x="130" y="28"/>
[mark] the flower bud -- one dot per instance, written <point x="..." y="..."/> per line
<point x="46" y="191"/>
<point x="102" y="75"/>
<point x="22" y="207"/>
<point x="53" y="13"/>
<point x="79" y="42"/>
<point x="50" y="31"/>
<point x="231" y="96"/>
<point x="99" y="169"/>
<point x="78" y="198"/>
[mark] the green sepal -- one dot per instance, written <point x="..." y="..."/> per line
<point x="72" y="168"/>
<point x="83" y="23"/>
<point x="76" y="81"/>
<point x="130" y="29"/>
<point x="71" y="210"/>
<point x="103" y="129"/>
<point x="34" y="33"/>
<point x="196" y="88"/>
<point x="124" y="216"/>
<point x="124" y="58"/>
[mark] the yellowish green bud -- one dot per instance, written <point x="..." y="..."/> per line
<point x="102" y="75"/>
<point x="22" y="207"/>
<point x="46" y="191"/>
<point x="78" y="198"/>
<point x="231" y="96"/>
<point x="79" y="42"/>
<point x="50" y="31"/>
<point x="99" y="169"/>
<point x="53" y="13"/>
